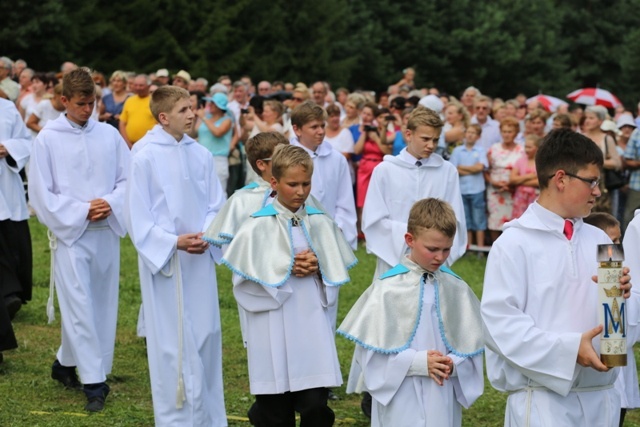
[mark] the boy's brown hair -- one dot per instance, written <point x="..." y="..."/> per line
<point x="288" y="156"/>
<point x="602" y="220"/>
<point x="422" y="116"/>
<point x="476" y="127"/>
<point x="432" y="214"/>
<point x="307" y="112"/>
<point x="164" y="99"/>
<point x="78" y="82"/>
<point x="262" y="146"/>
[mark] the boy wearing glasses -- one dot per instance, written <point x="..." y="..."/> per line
<point x="540" y="312"/>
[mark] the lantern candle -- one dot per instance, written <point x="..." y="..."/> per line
<point x="612" y="307"/>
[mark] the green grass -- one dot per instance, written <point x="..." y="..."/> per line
<point x="31" y="398"/>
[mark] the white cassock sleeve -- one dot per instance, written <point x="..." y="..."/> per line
<point x="17" y="141"/>
<point x="345" y="215"/>
<point x="532" y="350"/>
<point x="453" y="196"/>
<point x="385" y="235"/>
<point x="155" y="245"/>
<point x="116" y="198"/>
<point x="384" y="373"/>
<point x="467" y="379"/>
<point x="256" y="298"/>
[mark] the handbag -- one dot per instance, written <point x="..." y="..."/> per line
<point x="613" y="179"/>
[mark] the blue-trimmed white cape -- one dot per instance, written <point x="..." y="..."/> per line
<point x="396" y="321"/>
<point x="290" y="339"/>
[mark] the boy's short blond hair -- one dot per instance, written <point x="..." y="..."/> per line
<point x="423" y="116"/>
<point x="164" y="99"/>
<point x="78" y="82"/>
<point x="262" y="147"/>
<point x="432" y="214"/>
<point x="307" y="112"/>
<point x="288" y="156"/>
<point x="476" y="127"/>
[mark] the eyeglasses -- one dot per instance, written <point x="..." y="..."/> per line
<point x="297" y="99"/>
<point x="268" y="159"/>
<point x="593" y="183"/>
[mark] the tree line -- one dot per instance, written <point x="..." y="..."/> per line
<point x="500" y="46"/>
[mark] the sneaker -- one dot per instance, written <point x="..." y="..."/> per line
<point x="95" y="404"/>
<point x="66" y="375"/>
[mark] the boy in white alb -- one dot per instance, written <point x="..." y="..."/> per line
<point x="540" y="304"/>
<point x="77" y="185"/>
<point x="331" y="176"/>
<point x="399" y="181"/>
<point x="290" y="341"/>
<point x="418" y="331"/>
<point x="173" y="195"/>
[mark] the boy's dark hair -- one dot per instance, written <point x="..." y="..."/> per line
<point x="432" y="214"/>
<point x="262" y="146"/>
<point x="307" y="112"/>
<point x="567" y="150"/>
<point x="564" y="120"/>
<point x="164" y="99"/>
<point x="78" y="82"/>
<point x="199" y="95"/>
<point x="602" y="220"/>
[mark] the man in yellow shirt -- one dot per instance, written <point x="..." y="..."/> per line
<point x="136" y="118"/>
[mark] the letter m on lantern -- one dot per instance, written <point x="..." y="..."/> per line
<point x="614" y="319"/>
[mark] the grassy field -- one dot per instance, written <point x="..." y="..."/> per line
<point x="31" y="398"/>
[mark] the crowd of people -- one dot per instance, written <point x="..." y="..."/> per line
<point x="198" y="174"/>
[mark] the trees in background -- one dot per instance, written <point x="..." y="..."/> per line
<point x="500" y="46"/>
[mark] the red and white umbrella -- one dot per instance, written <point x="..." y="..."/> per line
<point x="594" y="96"/>
<point x="550" y="103"/>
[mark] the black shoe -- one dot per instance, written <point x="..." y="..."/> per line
<point x="66" y="375"/>
<point x="13" y="304"/>
<point x="332" y="395"/>
<point x="365" y="404"/>
<point x="95" y="404"/>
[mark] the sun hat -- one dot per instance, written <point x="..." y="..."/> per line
<point x="626" y="120"/>
<point x="162" y="72"/>
<point x="432" y="102"/>
<point x="219" y="99"/>
<point x="183" y="75"/>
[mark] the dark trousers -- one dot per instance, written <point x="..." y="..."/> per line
<point x="279" y="410"/>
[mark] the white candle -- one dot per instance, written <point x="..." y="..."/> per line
<point x="612" y="306"/>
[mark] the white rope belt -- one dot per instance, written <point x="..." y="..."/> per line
<point x="531" y="389"/>
<point x="175" y="271"/>
<point x="53" y="245"/>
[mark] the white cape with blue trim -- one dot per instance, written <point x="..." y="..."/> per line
<point x="387" y="314"/>
<point x="262" y="251"/>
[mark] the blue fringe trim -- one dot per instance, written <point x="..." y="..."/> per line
<point x="218" y="243"/>
<point x="441" y="328"/>
<point x="392" y="350"/>
<point x="324" y="279"/>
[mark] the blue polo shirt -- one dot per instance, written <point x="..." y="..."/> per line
<point x="463" y="156"/>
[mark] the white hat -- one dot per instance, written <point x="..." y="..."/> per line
<point x="183" y="75"/>
<point x="432" y="102"/>
<point x="218" y="88"/>
<point x="625" y="120"/>
<point x="608" y="126"/>
<point x="162" y="72"/>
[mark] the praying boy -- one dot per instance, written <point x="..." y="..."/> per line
<point x="290" y="342"/>
<point x="173" y="195"/>
<point x="418" y="330"/>
<point x="77" y="181"/>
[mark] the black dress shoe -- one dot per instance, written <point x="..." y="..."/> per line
<point x="13" y="304"/>
<point x="95" y="404"/>
<point x="66" y="375"/>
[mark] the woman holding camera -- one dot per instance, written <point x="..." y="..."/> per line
<point x="372" y="148"/>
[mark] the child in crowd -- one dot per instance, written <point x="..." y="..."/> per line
<point x="173" y="195"/>
<point x="418" y="330"/>
<point x="540" y="312"/>
<point x="291" y="350"/>
<point x="471" y="161"/>
<point x="607" y="223"/>
<point x="399" y="181"/>
<point x="77" y="183"/>
<point x="524" y="178"/>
